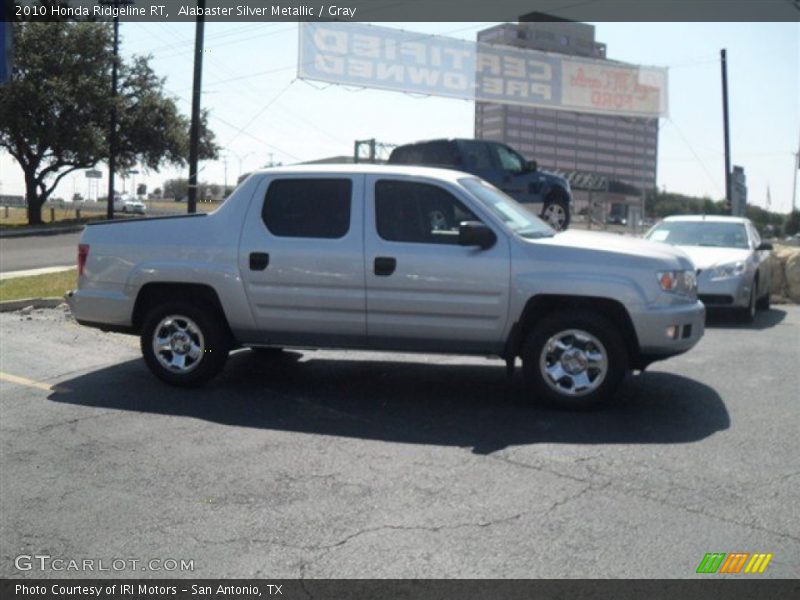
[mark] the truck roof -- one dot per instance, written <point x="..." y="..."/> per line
<point x="367" y="169"/>
<point x="708" y="218"/>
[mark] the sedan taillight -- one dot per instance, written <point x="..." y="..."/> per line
<point x="83" y="254"/>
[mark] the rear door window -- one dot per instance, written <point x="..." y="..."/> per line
<point x="477" y="156"/>
<point x="440" y="154"/>
<point x="309" y="208"/>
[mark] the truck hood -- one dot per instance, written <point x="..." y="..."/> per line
<point x="705" y="257"/>
<point x="619" y="245"/>
<point x="554" y="179"/>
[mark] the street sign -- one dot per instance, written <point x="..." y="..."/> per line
<point x="93" y="174"/>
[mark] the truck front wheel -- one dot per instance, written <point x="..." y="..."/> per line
<point x="184" y="344"/>
<point x="555" y="212"/>
<point x="574" y="359"/>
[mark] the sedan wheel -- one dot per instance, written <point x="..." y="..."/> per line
<point x="749" y="314"/>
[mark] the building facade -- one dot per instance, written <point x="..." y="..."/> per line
<point x="586" y="147"/>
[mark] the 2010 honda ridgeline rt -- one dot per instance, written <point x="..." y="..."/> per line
<point x="388" y="258"/>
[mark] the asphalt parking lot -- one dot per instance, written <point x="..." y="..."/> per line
<point x="340" y="464"/>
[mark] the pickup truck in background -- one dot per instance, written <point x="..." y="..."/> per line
<point x="388" y="258"/>
<point x="544" y="193"/>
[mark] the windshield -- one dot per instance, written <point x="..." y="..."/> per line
<point x="516" y="218"/>
<point x="700" y="233"/>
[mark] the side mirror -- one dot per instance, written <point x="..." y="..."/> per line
<point x="531" y="165"/>
<point x="475" y="233"/>
<point x="764" y="246"/>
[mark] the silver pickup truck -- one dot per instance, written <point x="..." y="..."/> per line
<point x="388" y="258"/>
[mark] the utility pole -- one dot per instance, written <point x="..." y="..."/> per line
<point x="194" y="135"/>
<point x="225" y="162"/>
<point x="112" y="137"/>
<point x="724" y="64"/>
<point x="794" y="184"/>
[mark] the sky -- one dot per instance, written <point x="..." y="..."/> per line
<point x="260" y="112"/>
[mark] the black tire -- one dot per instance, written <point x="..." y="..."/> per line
<point x="583" y="321"/>
<point x="763" y="303"/>
<point x="558" y="203"/>
<point x="215" y="344"/>
<point x="748" y="315"/>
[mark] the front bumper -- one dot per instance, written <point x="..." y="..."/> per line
<point x="654" y="328"/>
<point x="731" y="292"/>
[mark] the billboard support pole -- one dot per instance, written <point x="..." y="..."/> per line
<point x="724" y="65"/>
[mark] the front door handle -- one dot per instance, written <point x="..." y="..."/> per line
<point x="259" y="261"/>
<point x="385" y="265"/>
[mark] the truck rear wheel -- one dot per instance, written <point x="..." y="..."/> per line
<point x="184" y="344"/>
<point x="574" y="360"/>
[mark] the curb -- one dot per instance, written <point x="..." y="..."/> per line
<point x="12" y="305"/>
<point x="40" y="231"/>
<point x="6" y="275"/>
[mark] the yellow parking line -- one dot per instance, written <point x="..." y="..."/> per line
<point x="31" y="383"/>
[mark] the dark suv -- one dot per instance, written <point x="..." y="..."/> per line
<point x="498" y="164"/>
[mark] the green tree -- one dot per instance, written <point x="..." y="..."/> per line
<point x="792" y="224"/>
<point x="55" y="111"/>
<point x="177" y="189"/>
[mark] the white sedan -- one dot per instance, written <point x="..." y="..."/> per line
<point x="129" y="205"/>
<point x="729" y="256"/>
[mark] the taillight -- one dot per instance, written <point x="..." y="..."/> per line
<point x="83" y="254"/>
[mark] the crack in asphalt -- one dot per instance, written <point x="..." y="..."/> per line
<point x="72" y="421"/>
<point x="610" y="484"/>
<point x="324" y="548"/>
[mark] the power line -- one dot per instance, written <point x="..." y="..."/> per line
<point x="259" y="113"/>
<point x="697" y="157"/>
<point x="256" y="97"/>
<point x="296" y="65"/>
<point x="237" y="128"/>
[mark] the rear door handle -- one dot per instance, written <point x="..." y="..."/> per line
<point x="259" y="261"/>
<point x="385" y="266"/>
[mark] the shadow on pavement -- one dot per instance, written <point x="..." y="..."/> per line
<point x="719" y="318"/>
<point x="461" y="405"/>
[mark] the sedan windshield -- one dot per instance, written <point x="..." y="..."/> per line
<point x="700" y="233"/>
<point x="516" y="218"/>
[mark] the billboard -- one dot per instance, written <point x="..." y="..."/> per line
<point x="378" y="57"/>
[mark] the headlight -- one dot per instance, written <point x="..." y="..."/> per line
<point x="729" y="270"/>
<point x="678" y="282"/>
